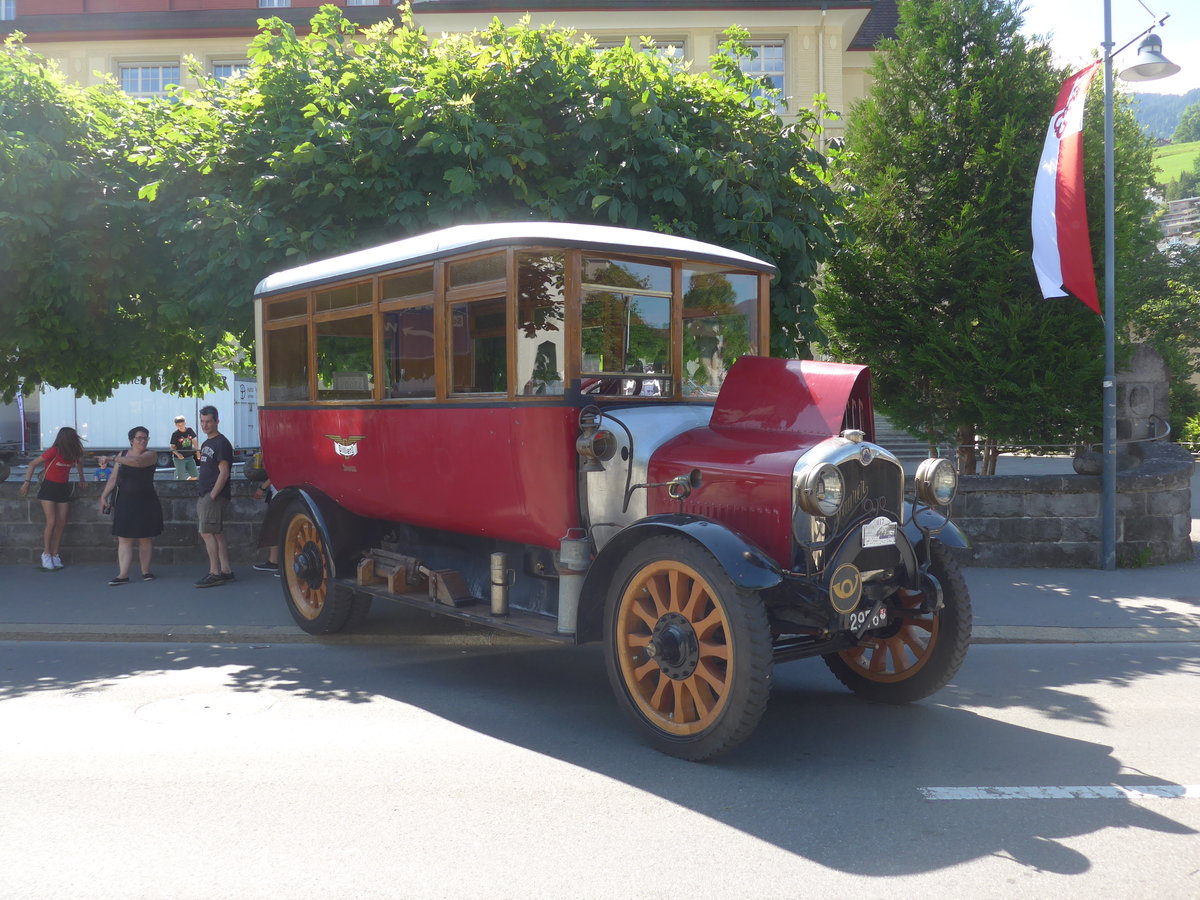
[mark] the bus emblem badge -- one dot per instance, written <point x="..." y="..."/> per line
<point x="346" y="447"/>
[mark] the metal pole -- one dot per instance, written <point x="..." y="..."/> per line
<point x="1108" y="500"/>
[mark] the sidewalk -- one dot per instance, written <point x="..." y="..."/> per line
<point x="1160" y="604"/>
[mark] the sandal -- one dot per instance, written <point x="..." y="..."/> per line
<point x="117" y="581"/>
<point x="148" y="576"/>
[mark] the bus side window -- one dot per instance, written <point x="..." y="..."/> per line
<point x="408" y="352"/>
<point x="478" y="351"/>
<point x="719" y="326"/>
<point x="287" y="364"/>
<point x="541" y="312"/>
<point x="345" y="359"/>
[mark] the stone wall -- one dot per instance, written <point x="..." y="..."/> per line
<point x="88" y="538"/>
<point x="1054" y="520"/>
<point x="1035" y="520"/>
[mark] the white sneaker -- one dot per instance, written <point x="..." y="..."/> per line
<point x="57" y="562"/>
<point x="47" y="562"/>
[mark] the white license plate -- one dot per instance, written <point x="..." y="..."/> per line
<point x="863" y="620"/>
<point x="879" y="532"/>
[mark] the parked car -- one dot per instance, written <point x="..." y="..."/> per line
<point x="573" y="431"/>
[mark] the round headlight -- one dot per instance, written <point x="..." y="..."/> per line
<point x="937" y="482"/>
<point x="821" y="490"/>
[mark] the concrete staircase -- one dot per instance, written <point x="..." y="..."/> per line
<point x="899" y="442"/>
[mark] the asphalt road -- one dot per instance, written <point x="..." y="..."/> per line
<point x="435" y="770"/>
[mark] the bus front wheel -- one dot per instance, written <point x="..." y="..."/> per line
<point x="688" y="652"/>
<point x="314" y="601"/>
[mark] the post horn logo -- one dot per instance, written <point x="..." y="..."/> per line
<point x="845" y="588"/>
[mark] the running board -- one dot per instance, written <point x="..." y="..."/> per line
<point x="475" y="611"/>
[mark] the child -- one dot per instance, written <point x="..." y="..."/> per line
<point x="55" y="491"/>
<point x="103" y="469"/>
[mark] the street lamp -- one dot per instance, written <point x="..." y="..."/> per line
<point x="1151" y="65"/>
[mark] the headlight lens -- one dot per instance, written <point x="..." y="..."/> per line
<point x="821" y="490"/>
<point x="937" y="482"/>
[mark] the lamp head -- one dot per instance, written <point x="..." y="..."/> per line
<point x="1151" y="64"/>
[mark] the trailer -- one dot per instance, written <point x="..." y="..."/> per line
<point x="104" y="426"/>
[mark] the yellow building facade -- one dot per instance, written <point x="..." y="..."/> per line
<point x="802" y="48"/>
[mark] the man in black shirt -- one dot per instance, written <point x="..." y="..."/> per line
<point x="183" y="450"/>
<point x="216" y="465"/>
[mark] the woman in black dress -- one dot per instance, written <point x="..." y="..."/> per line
<point x="137" y="514"/>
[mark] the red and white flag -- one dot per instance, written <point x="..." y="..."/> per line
<point x="1062" y="252"/>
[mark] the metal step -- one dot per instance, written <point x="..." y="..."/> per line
<point x="531" y="624"/>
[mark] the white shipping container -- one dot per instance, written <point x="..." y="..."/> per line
<point x="104" y="426"/>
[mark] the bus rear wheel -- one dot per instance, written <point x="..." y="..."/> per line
<point x="314" y="601"/>
<point x="688" y="653"/>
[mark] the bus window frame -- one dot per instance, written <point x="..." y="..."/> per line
<point x="440" y="299"/>
<point x="412" y="301"/>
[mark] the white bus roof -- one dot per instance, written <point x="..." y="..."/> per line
<point x="436" y="244"/>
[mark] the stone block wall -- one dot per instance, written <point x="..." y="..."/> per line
<point x="1054" y="520"/>
<point x="88" y="538"/>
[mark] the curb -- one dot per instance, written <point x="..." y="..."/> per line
<point x="1031" y="634"/>
<point x="286" y="634"/>
<point x="247" y="634"/>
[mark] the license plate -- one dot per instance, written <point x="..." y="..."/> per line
<point x="879" y="532"/>
<point x="863" y="620"/>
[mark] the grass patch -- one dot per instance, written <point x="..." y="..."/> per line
<point x="1174" y="159"/>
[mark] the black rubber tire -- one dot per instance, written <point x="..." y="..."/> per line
<point x="317" y="604"/>
<point x="733" y="666"/>
<point x="949" y="636"/>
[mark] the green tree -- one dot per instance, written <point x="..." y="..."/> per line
<point x="937" y="293"/>
<point x="1188" y="128"/>
<point x="341" y="138"/>
<point x="81" y="277"/>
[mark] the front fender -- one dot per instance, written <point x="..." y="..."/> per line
<point x="341" y="531"/>
<point x="950" y="534"/>
<point x="747" y="565"/>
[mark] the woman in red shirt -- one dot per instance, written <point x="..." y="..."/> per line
<point x="55" y="490"/>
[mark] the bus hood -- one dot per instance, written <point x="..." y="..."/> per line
<point x="769" y="413"/>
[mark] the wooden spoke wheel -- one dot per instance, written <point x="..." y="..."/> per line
<point x="689" y="655"/>
<point x="916" y="654"/>
<point x="306" y="572"/>
<point x="899" y="651"/>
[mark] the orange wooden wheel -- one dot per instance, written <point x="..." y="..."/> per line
<point x="304" y="566"/>
<point x="673" y="643"/>
<point x="897" y="654"/>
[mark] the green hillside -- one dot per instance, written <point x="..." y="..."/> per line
<point x="1174" y="159"/>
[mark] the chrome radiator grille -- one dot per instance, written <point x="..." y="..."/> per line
<point x="876" y="489"/>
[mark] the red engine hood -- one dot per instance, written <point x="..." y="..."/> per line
<point x="768" y="414"/>
<point x="797" y="395"/>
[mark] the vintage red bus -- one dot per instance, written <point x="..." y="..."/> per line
<point x="574" y="432"/>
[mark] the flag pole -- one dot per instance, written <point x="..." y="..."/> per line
<point x="1108" y="499"/>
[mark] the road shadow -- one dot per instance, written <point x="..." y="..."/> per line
<point x="801" y="783"/>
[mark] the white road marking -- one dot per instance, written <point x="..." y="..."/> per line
<point x="1067" y="792"/>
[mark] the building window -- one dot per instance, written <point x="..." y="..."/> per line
<point x="148" y="79"/>
<point x="671" y="51"/>
<point x="226" y="69"/>
<point x="362" y="2"/>
<point x="765" y="65"/>
<point x="8" y="9"/>
<point x="273" y="4"/>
